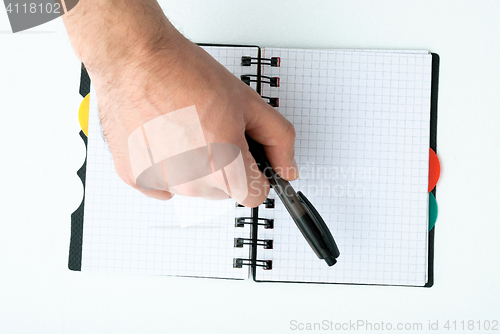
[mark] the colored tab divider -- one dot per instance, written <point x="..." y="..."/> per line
<point x="433" y="211"/>
<point x="434" y="169"/>
<point x="83" y="114"/>
<point x="434" y="172"/>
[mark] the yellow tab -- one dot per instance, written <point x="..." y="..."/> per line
<point x="83" y="114"/>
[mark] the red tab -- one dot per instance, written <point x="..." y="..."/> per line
<point x="434" y="169"/>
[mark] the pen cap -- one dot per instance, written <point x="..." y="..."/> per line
<point x="326" y="235"/>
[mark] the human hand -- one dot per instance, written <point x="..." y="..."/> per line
<point x="163" y="76"/>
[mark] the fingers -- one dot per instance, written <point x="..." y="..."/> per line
<point x="124" y="171"/>
<point x="241" y="180"/>
<point x="277" y="135"/>
<point x="201" y="187"/>
<point x="256" y="183"/>
<point x="158" y="194"/>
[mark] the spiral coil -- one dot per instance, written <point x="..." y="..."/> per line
<point x="254" y="220"/>
<point x="262" y="79"/>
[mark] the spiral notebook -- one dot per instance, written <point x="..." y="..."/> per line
<point x="364" y="119"/>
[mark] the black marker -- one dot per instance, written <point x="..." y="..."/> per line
<point x="303" y="213"/>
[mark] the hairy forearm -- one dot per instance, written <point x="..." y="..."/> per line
<point x="116" y="32"/>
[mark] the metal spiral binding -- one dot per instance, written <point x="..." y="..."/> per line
<point x="273" y="101"/>
<point x="254" y="221"/>
<point x="269" y="203"/>
<point x="273" y="61"/>
<point x="265" y="264"/>
<point x="266" y="243"/>
<point x="272" y="81"/>
<point x="262" y="79"/>
<point x="241" y="221"/>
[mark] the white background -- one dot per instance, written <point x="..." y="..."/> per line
<point x="41" y="151"/>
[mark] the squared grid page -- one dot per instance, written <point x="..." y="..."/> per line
<point x="127" y="232"/>
<point x="362" y="121"/>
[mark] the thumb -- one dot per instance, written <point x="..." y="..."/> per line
<point x="268" y="127"/>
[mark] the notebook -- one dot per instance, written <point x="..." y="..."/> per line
<point x="364" y="119"/>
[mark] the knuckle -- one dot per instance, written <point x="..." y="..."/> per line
<point x="289" y="132"/>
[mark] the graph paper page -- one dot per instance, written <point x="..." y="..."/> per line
<point x="362" y="123"/>
<point x="127" y="232"/>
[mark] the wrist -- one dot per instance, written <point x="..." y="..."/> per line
<point x="106" y="45"/>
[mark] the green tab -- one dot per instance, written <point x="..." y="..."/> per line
<point x="433" y="211"/>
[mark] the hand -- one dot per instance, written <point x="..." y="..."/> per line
<point x="168" y="73"/>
